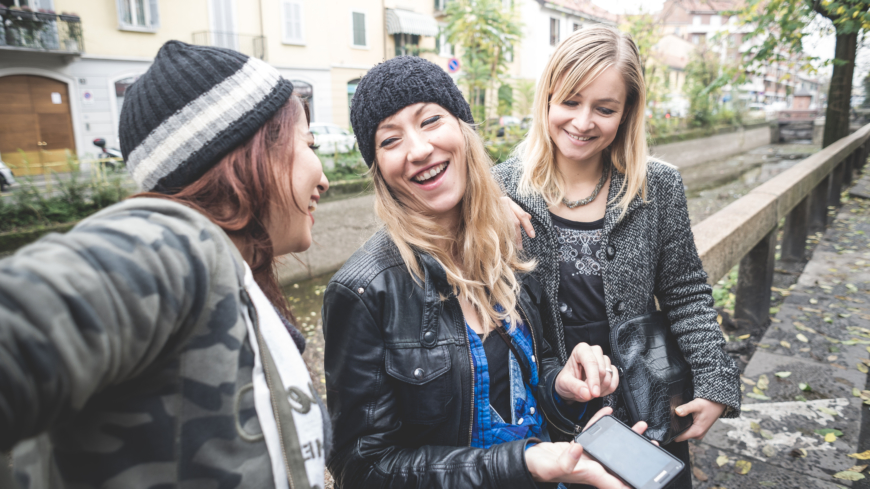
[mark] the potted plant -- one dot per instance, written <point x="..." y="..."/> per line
<point x="45" y="15"/>
<point x="70" y="17"/>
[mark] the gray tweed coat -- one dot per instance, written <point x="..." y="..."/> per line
<point x="650" y="254"/>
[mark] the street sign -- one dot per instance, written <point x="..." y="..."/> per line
<point x="453" y="65"/>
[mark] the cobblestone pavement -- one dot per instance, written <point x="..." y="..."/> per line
<point x="806" y="383"/>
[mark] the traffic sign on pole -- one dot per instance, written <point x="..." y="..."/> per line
<point x="453" y="65"/>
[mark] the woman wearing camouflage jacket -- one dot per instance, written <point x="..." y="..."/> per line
<point x="150" y="342"/>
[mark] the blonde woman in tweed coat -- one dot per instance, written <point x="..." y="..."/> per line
<point x="608" y="226"/>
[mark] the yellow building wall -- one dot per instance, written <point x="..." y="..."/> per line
<point x="178" y="20"/>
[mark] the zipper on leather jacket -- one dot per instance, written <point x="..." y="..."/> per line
<point x="577" y="428"/>
<point x="471" y="361"/>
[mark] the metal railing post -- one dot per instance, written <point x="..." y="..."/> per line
<point x="819" y="205"/>
<point x="754" y="279"/>
<point x="836" y="184"/>
<point x="794" y="235"/>
<point x="848" y="165"/>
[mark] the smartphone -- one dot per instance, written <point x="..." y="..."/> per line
<point x="630" y="456"/>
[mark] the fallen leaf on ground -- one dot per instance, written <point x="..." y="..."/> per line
<point x="763" y="382"/>
<point x="832" y="358"/>
<point x="758" y="391"/>
<point x="856" y="392"/>
<point x="829" y="411"/>
<point x="847" y="475"/>
<point x="785" y="344"/>
<point x="863" y="368"/>
<point x="766" y="435"/>
<point x="852" y="287"/>
<point x="830" y="438"/>
<point x="865" y="455"/>
<point x="857" y="468"/>
<point x="763" y="345"/>
<point x="782" y="375"/>
<point x="768" y="451"/>
<point x="743" y="467"/>
<point x="723" y="459"/>
<point x="801" y="337"/>
<point x="843" y="315"/>
<point x="798" y="453"/>
<point x="743" y="336"/>
<point x="719" y="319"/>
<point x="760" y="397"/>
<point x="814" y="301"/>
<point x="804" y="387"/>
<point x="747" y="380"/>
<point x="699" y="474"/>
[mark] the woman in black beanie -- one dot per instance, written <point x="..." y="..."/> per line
<point x="436" y="371"/>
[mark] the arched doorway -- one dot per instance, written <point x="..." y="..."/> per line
<point x="35" y="118"/>
<point x="305" y="92"/>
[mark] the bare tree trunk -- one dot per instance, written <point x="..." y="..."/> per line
<point x="840" y="93"/>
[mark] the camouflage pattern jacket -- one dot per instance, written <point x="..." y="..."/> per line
<point x="124" y="340"/>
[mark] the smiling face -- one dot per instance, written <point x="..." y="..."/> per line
<point x="290" y="227"/>
<point x="584" y="125"/>
<point x="420" y="152"/>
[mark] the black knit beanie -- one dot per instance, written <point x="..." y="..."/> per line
<point x="191" y="108"/>
<point x="395" y="84"/>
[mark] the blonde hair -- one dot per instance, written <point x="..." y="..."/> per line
<point x="484" y="241"/>
<point x="578" y="60"/>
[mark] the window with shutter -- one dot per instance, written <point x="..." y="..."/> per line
<point x="292" y="21"/>
<point x="138" y="15"/>
<point x="358" y="20"/>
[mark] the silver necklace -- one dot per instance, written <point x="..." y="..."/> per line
<point x="577" y="203"/>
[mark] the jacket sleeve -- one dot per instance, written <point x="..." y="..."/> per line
<point x="85" y="310"/>
<point x="683" y="293"/>
<point x="370" y="451"/>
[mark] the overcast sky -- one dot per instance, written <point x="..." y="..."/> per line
<point x="815" y="44"/>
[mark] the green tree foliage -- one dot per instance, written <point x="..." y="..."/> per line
<point x="646" y="30"/>
<point x="486" y="32"/>
<point x="780" y="25"/>
<point x="703" y="86"/>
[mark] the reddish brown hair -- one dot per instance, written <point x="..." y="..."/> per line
<point x="238" y="192"/>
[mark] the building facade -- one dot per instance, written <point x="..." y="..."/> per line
<point x="69" y="62"/>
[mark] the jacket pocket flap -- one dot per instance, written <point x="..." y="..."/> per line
<point x="417" y="365"/>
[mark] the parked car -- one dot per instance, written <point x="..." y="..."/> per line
<point x="332" y="138"/>
<point x="501" y="123"/>
<point x="6" y="177"/>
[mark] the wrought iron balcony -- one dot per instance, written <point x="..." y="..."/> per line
<point x="40" y="31"/>
<point x="253" y="46"/>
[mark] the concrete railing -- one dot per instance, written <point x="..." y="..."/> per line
<point x="745" y="231"/>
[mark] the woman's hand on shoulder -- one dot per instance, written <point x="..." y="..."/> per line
<point x="520" y="219"/>
<point x="587" y="374"/>
<point x="567" y="462"/>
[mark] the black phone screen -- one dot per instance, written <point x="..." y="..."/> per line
<point x="625" y="453"/>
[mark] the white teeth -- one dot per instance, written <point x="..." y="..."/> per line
<point x="312" y="205"/>
<point x="578" y="138"/>
<point x="431" y="173"/>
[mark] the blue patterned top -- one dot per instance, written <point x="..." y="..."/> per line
<point x="488" y="428"/>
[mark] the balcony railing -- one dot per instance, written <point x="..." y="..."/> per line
<point x="253" y="46"/>
<point x="27" y="30"/>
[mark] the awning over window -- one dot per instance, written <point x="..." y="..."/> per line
<point x="406" y="22"/>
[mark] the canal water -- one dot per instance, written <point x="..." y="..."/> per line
<point x="709" y="188"/>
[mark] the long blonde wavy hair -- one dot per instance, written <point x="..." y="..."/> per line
<point x="578" y="60"/>
<point x="484" y="242"/>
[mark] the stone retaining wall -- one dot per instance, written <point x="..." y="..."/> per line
<point x="684" y="154"/>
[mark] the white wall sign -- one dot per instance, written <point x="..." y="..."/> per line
<point x="55" y="98"/>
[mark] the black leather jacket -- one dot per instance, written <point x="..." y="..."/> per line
<point x="399" y="378"/>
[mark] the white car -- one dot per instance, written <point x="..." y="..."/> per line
<point x="331" y="138"/>
<point x="6" y="177"/>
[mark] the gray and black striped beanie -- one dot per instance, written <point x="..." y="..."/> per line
<point x="191" y="108"/>
<point x="395" y="84"/>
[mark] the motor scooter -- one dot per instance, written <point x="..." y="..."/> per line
<point x="111" y="157"/>
<point x="6" y="177"/>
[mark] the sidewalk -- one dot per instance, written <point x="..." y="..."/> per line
<point x="801" y="382"/>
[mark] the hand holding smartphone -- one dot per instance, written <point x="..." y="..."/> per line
<point x="630" y="456"/>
